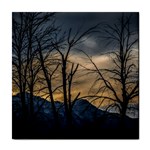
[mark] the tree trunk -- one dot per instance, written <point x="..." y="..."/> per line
<point x="31" y="102"/>
<point x="65" y="90"/>
<point x="48" y="81"/>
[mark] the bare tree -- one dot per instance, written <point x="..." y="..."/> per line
<point x="19" y="36"/>
<point x="48" y="77"/>
<point x="121" y="80"/>
<point x="26" y="27"/>
<point x="70" y="41"/>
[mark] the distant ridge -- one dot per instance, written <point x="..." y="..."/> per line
<point x="85" y="118"/>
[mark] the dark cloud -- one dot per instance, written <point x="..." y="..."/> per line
<point x="76" y="20"/>
<point x="88" y="19"/>
<point x="84" y="20"/>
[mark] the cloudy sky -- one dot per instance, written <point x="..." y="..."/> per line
<point x="86" y="20"/>
<point x="94" y="46"/>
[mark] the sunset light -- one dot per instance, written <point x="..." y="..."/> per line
<point x="75" y="75"/>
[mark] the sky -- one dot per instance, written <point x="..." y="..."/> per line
<point x="94" y="46"/>
<point x="86" y="20"/>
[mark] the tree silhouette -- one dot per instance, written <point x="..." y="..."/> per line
<point x="48" y="77"/>
<point x="26" y="27"/>
<point x="70" y="41"/>
<point x="43" y="67"/>
<point x="121" y="80"/>
<point x="36" y="41"/>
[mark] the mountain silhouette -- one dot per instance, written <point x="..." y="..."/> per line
<point x="88" y="121"/>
